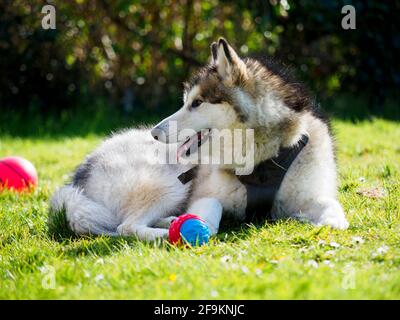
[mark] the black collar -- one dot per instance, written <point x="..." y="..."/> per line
<point x="189" y="175"/>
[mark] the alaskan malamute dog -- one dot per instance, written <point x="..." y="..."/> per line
<point x="120" y="190"/>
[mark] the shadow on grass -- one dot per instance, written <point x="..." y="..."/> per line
<point x="82" y="245"/>
<point x="58" y="228"/>
<point x="102" y="118"/>
<point x="232" y="230"/>
<point x="99" y="119"/>
<point x="357" y="108"/>
<point x="92" y="245"/>
<point x="99" y="246"/>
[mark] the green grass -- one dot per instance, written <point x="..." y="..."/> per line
<point x="285" y="260"/>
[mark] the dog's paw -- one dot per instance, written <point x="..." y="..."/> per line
<point x="124" y="230"/>
<point x="142" y="232"/>
<point x="334" y="217"/>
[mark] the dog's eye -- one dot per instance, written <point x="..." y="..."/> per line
<point x="196" y="103"/>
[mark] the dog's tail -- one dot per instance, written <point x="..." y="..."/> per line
<point x="71" y="208"/>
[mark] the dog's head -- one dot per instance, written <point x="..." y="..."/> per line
<point x="229" y="93"/>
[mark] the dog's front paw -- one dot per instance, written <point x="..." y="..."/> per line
<point x="124" y="230"/>
<point x="333" y="216"/>
<point x="142" y="232"/>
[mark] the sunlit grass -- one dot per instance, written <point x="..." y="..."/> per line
<point x="282" y="260"/>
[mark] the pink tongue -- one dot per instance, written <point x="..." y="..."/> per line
<point x="182" y="149"/>
<point x="185" y="147"/>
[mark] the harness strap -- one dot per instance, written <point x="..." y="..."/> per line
<point x="264" y="182"/>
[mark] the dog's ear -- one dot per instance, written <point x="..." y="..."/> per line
<point x="214" y="52"/>
<point x="229" y="64"/>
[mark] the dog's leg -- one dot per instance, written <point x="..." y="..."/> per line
<point x="331" y="214"/>
<point x="210" y="210"/>
<point x="309" y="201"/>
<point x="308" y="191"/>
<point x="139" y="226"/>
<point x="324" y="212"/>
<point x="142" y="231"/>
<point x="319" y="211"/>
<point x="84" y="215"/>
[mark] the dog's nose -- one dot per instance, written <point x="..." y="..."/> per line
<point x="156" y="133"/>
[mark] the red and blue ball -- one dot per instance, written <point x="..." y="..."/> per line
<point x="189" y="229"/>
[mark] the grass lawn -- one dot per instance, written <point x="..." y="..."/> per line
<point x="286" y="260"/>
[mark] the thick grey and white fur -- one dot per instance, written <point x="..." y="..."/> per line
<point x="119" y="190"/>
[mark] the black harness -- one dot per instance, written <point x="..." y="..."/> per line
<point x="264" y="182"/>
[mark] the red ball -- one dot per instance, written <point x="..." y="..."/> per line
<point x="175" y="227"/>
<point x="17" y="173"/>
